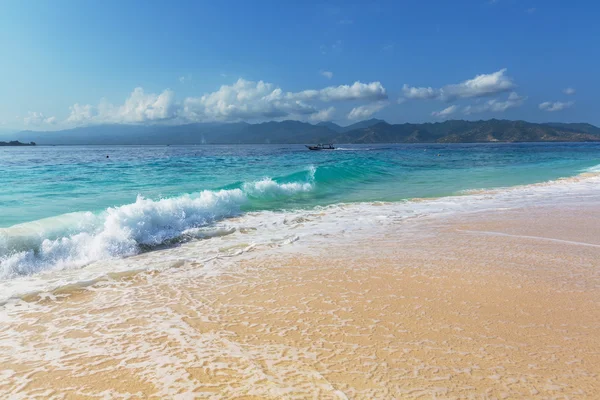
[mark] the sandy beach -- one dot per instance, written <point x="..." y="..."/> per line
<point x="470" y="306"/>
<point x="299" y="200"/>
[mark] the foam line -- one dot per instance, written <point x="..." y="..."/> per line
<point x="492" y="233"/>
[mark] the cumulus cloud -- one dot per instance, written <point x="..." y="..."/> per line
<point x="34" y="118"/>
<point x="555" y="106"/>
<point x="495" y="105"/>
<point x="81" y="113"/>
<point x="569" y="91"/>
<point x="142" y="107"/>
<point x="445" y="112"/>
<point x="480" y="86"/>
<point x="139" y="107"/>
<point x="420" y="93"/>
<point x="326" y="74"/>
<point x="323" y="115"/>
<point x="366" y="111"/>
<point x="242" y="100"/>
<point x="357" y="91"/>
<point x="247" y="100"/>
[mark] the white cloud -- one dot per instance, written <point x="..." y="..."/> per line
<point x="555" y="106"/>
<point x="346" y="21"/>
<point x="326" y="74"/>
<point x="34" y="118"/>
<point x="182" y="79"/>
<point x="531" y="10"/>
<point x="357" y="91"/>
<point x="81" y="114"/>
<point x="247" y="99"/>
<point x="323" y="115"/>
<point x="445" y="112"/>
<point x="367" y="110"/>
<point x="494" y="105"/>
<point x="142" y="107"/>
<point x="480" y="86"/>
<point x="139" y="107"/>
<point x="242" y="100"/>
<point x="569" y="91"/>
<point x="420" y="93"/>
<point x="251" y="100"/>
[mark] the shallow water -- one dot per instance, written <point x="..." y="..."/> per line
<point x="44" y="181"/>
<point x="70" y="208"/>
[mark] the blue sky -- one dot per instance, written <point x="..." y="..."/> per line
<point x="70" y="63"/>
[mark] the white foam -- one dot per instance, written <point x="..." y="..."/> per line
<point x="75" y="240"/>
<point x="594" y="169"/>
<point x="119" y="231"/>
<point x="269" y="188"/>
<point x="354" y="149"/>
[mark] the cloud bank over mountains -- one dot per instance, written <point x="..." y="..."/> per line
<point x="37" y="118"/>
<point x="243" y="100"/>
<point x="246" y="100"/>
<point x="481" y="86"/>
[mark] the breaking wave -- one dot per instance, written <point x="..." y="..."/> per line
<point x="77" y="239"/>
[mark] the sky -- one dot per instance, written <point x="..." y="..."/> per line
<point x="74" y="63"/>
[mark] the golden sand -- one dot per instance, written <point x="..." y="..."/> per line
<point x="505" y="306"/>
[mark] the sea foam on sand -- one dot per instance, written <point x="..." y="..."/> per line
<point x="489" y="295"/>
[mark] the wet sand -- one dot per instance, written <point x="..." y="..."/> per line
<point x="473" y="306"/>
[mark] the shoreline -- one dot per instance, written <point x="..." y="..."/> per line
<point x="502" y="303"/>
<point x="306" y="225"/>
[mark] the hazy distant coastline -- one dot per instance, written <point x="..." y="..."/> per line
<point x="16" y="143"/>
<point x="290" y="132"/>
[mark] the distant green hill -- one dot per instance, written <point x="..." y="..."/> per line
<point x="458" y="131"/>
<point x="579" y="127"/>
<point x="288" y="132"/>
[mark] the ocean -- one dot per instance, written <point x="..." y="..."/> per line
<point x="72" y="214"/>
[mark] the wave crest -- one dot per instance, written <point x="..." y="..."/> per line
<point x="75" y="240"/>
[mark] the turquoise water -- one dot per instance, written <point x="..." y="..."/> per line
<point x="43" y="182"/>
<point x="63" y="207"/>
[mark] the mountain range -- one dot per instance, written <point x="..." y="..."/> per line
<point x="288" y="132"/>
